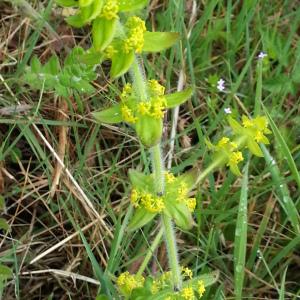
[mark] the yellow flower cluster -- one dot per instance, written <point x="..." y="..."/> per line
<point x="186" y="272"/>
<point x="154" y="107"/>
<point x="127" y="114"/>
<point x="257" y="127"/>
<point x="126" y="282"/>
<point x="169" y="177"/>
<point x="135" y="39"/>
<point x="110" y="51"/>
<point x="161" y="282"/>
<point x="187" y="293"/>
<point x="156" y="88"/>
<point x="201" y="288"/>
<point x="151" y="203"/>
<point x="110" y="9"/>
<point x="233" y="157"/>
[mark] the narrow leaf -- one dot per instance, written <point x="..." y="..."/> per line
<point x="140" y="218"/>
<point x="240" y="241"/>
<point x="285" y="149"/>
<point x="130" y="5"/>
<point x="140" y="180"/>
<point x="5" y="272"/>
<point x="111" y="115"/>
<point x="159" y="41"/>
<point x="103" y="32"/>
<point x="121" y="63"/>
<point x="178" y="98"/>
<point x="3" y="224"/>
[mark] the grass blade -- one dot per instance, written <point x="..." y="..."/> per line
<point x="240" y="242"/>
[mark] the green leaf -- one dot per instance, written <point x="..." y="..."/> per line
<point x="83" y="3"/>
<point x="67" y="3"/>
<point x="129" y="5"/>
<point x="235" y="126"/>
<point x="149" y="130"/>
<point x="5" y="272"/>
<point x="285" y="149"/>
<point x="121" y="63"/>
<point x="254" y="147"/>
<point x="159" y="41"/>
<point x="2" y="202"/>
<point x="4" y="225"/>
<point x="103" y="32"/>
<point x="240" y="241"/>
<point x="111" y="115"/>
<point x="102" y="297"/>
<point x="189" y="178"/>
<point x="141" y="181"/>
<point x="35" y="64"/>
<point x="178" y="98"/>
<point x="52" y="66"/>
<point x="75" y="21"/>
<point x="96" y="9"/>
<point x="180" y="213"/>
<point x="140" y="218"/>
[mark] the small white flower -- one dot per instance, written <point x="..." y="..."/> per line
<point x="220" y="85"/>
<point x="227" y="110"/>
<point x="262" y="55"/>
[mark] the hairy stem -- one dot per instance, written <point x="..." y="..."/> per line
<point x="139" y="83"/>
<point x="158" y="170"/>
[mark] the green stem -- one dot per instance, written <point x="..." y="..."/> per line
<point x="139" y="84"/>
<point x="158" y="170"/>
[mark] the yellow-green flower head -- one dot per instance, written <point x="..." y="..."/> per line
<point x="110" y="9"/>
<point x="127" y="114"/>
<point x="156" y="88"/>
<point x="187" y="293"/>
<point x="253" y="131"/>
<point x="182" y="192"/>
<point x="126" y="282"/>
<point x="257" y="127"/>
<point x="191" y="203"/>
<point x="126" y="92"/>
<point x="135" y="38"/>
<point x="201" y="288"/>
<point x="163" y="281"/>
<point x="227" y="149"/>
<point x="187" y="272"/>
<point x="146" y="200"/>
<point x="169" y="177"/>
<point x="110" y="51"/>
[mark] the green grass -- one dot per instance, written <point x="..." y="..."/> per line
<point x="224" y="39"/>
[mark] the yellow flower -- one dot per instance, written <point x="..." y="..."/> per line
<point x="182" y="191"/>
<point x="187" y="272"/>
<point x="235" y="158"/>
<point x="151" y="203"/>
<point x="127" y="282"/>
<point x="156" y="88"/>
<point x="127" y="114"/>
<point x="135" y="38"/>
<point x="110" y="9"/>
<point x="187" y="293"/>
<point x="144" y="108"/>
<point x="169" y="177"/>
<point x="134" y="198"/>
<point x="191" y="204"/>
<point x="110" y="51"/>
<point x="127" y="91"/>
<point x="224" y="141"/>
<point x="201" y="288"/>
